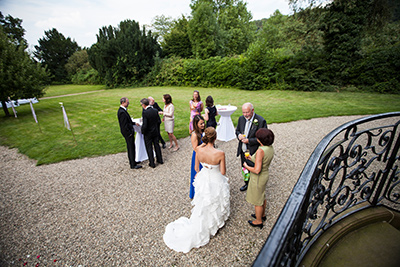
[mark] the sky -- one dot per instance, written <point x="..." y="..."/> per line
<point x="81" y="19"/>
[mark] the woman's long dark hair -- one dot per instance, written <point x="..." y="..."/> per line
<point x="198" y="93"/>
<point x="209" y="101"/>
<point x="168" y="99"/>
<point x="196" y="128"/>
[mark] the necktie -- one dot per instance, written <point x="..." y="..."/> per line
<point x="246" y="132"/>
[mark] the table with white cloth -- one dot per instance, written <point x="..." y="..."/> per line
<point x="140" y="148"/>
<point x="225" y="128"/>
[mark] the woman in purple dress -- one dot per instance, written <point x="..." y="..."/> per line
<point x="196" y="107"/>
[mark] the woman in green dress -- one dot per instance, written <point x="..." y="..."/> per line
<point x="259" y="175"/>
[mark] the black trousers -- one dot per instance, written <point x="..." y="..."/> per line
<point x="130" y="144"/>
<point x="161" y="139"/>
<point x="150" y="142"/>
<point x="242" y="160"/>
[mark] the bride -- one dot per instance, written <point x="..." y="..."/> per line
<point x="210" y="204"/>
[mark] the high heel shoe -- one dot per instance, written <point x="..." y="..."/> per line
<point x="261" y="225"/>
<point x="264" y="218"/>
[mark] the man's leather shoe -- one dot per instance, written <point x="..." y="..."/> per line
<point x="243" y="188"/>
<point x="162" y="162"/>
<point x="136" y="167"/>
<point x="153" y="166"/>
<point x="138" y="162"/>
<point x="164" y="146"/>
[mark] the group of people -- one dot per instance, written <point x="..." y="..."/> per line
<point x="209" y="187"/>
<point x="150" y="128"/>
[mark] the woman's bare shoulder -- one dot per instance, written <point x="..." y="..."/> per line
<point x="220" y="153"/>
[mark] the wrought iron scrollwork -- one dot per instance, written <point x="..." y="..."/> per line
<point x="352" y="165"/>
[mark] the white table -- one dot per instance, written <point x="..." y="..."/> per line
<point x="140" y="148"/>
<point x="225" y="129"/>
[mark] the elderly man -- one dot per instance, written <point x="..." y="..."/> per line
<point x="246" y="129"/>
<point x="127" y="131"/>
<point x="154" y="105"/>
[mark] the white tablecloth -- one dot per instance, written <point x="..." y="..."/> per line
<point x="225" y="129"/>
<point x="140" y="148"/>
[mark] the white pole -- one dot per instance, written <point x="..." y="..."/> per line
<point x="12" y="106"/>
<point x="34" y="114"/>
<point x="66" y="121"/>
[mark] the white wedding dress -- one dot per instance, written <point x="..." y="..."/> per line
<point x="211" y="208"/>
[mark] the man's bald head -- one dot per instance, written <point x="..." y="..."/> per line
<point x="248" y="110"/>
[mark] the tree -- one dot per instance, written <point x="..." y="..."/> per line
<point x="79" y="69"/>
<point x="13" y="29"/>
<point x="53" y="51"/>
<point x="77" y="62"/>
<point x="343" y="28"/>
<point x="20" y="76"/>
<point x="379" y="11"/>
<point x="282" y="31"/>
<point x="161" y="26"/>
<point x="236" y="29"/>
<point x="204" y="31"/>
<point x="220" y="27"/>
<point x="124" y="55"/>
<point x="177" y="41"/>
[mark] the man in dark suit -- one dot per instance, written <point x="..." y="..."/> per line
<point x="151" y="131"/>
<point x="154" y="105"/>
<point x="246" y="129"/>
<point x="126" y="126"/>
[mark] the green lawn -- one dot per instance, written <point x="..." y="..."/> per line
<point x="94" y="121"/>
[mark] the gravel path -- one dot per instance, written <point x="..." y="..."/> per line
<point x="82" y="93"/>
<point x="98" y="212"/>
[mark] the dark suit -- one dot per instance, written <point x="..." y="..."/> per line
<point x="157" y="107"/>
<point x="127" y="131"/>
<point x="253" y="144"/>
<point x="151" y="131"/>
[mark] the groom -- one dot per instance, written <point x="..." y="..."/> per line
<point x="151" y="131"/>
<point x="246" y="129"/>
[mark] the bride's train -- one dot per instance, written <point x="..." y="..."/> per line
<point x="211" y="208"/>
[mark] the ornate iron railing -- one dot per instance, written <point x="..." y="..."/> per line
<point x="356" y="166"/>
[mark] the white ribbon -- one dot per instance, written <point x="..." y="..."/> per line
<point x="12" y="106"/>
<point x="33" y="111"/>
<point x="66" y="121"/>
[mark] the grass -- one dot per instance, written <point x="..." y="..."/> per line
<point x="94" y="121"/>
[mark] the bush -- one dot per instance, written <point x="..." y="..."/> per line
<point x="90" y="76"/>
<point x="378" y="70"/>
<point x="265" y="68"/>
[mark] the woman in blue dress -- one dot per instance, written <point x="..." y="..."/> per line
<point x="195" y="138"/>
